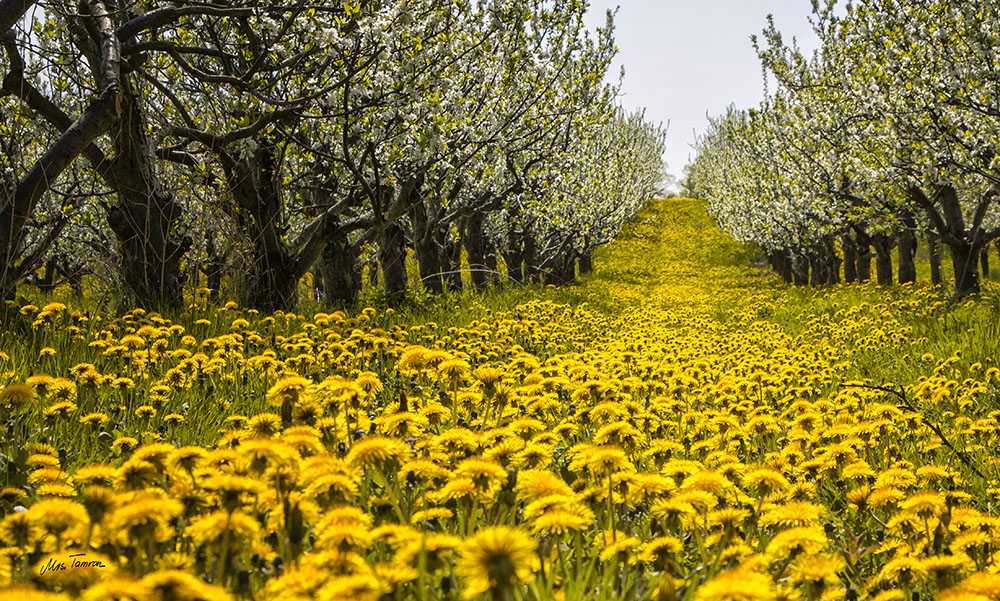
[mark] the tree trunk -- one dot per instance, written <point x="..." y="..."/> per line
<point x="907" y="252"/>
<point x="850" y="249"/>
<point x="774" y="260"/>
<point x="817" y="270"/>
<point x="531" y="267"/>
<point x="832" y="261"/>
<point x="786" y="266"/>
<point x="474" y="241"/>
<point x="340" y="271"/>
<point x="48" y="282"/>
<point x="800" y="270"/>
<point x="451" y="263"/>
<point x="271" y="282"/>
<point x="490" y="261"/>
<point x="934" y="250"/>
<point x="964" y="246"/>
<point x="984" y="261"/>
<point x="214" y="268"/>
<point x="425" y="246"/>
<point x="965" y="266"/>
<point x="587" y="261"/>
<point x="964" y="254"/>
<point x="560" y="269"/>
<point x="864" y="260"/>
<point x="392" y="257"/>
<point x="145" y="219"/>
<point x="883" y="263"/>
<point x="514" y="259"/>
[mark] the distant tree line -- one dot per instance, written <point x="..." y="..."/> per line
<point x="155" y="145"/>
<point x="885" y="138"/>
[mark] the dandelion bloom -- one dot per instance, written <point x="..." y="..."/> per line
<point x="737" y="585"/>
<point x="18" y="396"/>
<point x="287" y="390"/>
<point x="496" y="560"/>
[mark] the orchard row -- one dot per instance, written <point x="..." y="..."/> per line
<point x="886" y="136"/>
<point x="147" y="146"/>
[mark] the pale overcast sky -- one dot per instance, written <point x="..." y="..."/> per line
<point x="684" y="58"/>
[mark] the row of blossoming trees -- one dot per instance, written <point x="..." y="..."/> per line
<point x="886" y="136"/>
<point x="258" y="141"/>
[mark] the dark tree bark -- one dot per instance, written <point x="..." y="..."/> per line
<point x="786" y="266"/>
<point x="850" y="249"/>
<point x="864" y="257"/>
<point x="514" y="259"/>
<point x="474" y="241"/>
<point x="907" y="250"/>
<point x="144" y="218"/>
<point x="214" y="268"/>
<point x="560" y="269"/>
<point x="389" y="206"/>
<point x="392" y="257"/>
<point x="272" y="281"/>
<point x="533" y="270"/>
<point x="818" y="275"/>
<point x="427" y="248"/>
<point x="586" y="261"/>
<point x="825" y="263"/>
<point x="339" y="269"/>
<point x="800" y="269"/>
<point x="451" y="263"/>
<point x="984" y="261"/>
<point x="934" y="252"/>
<point x="490" y="262"/>
<point x="964" y="265"/>
<point x="11" y="12"/>
<point x="883" y="259"/>
<point x="774" y="260"/>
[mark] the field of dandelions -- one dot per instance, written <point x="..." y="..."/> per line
<point x="680" y="427"/>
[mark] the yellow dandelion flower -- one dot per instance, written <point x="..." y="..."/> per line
<point x="905" y="571"/>
<point x="96" y="473"/>
<point x="210" y="528"/>
<point x="124" y="443"/>
<point x="179" y="585"/>
<point x="559" y="522"/>
<point x="763" y="482"/>
<point x="94" y="420"/>
<point x="18" y="397"/>
<point x="378" y="453"/>
<point x="737" y="585"/>
<point x="708" y="481"/>
<point x="817" y="571"/>
<point x="287" y="391"/>
<point x="59" y="517"/>
<point x="146" y="517"/>
<point x="136" y="474"/>
<point x="924" y="504"/>
<point x="485" y="474"/>
<point x="602" y="461"/>
<point x="793" y="514"/>
<point x="885" y="496"/>
<point x="805" y="540"/>
<point x="19" y="530"/>
<point x="264" y="424"/>
<point x="496" y="560"/>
